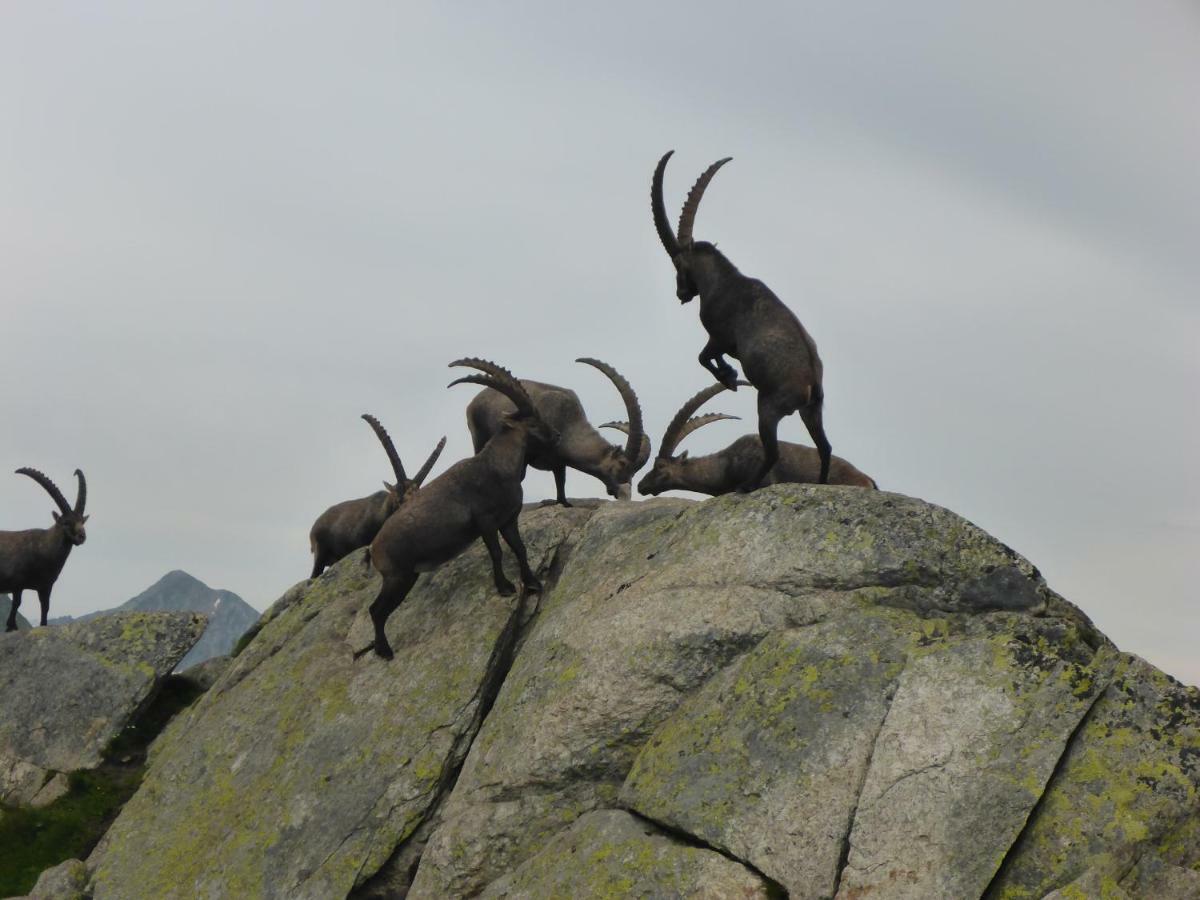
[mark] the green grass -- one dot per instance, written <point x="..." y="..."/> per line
<point x="32" y="840"/>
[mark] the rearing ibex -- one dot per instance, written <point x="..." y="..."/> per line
<point x="351" y="524"/>
<point x="722" y="472"/>
<point x="745" y="320"/>
<point x="581" y="446"/>
<point x="33" y="559"/>
<point x="475" y="498"/>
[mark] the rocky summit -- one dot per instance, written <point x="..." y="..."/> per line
<point x="808" y="692"/>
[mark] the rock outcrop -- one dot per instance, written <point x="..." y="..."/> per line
<point x="808" y="691"/>
<point x="228" y="615"/>
<point x="67" y="692"/>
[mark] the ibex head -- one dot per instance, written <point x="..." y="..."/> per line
<point x="618" y="464"/>
<point x="525" y="416"/>
<point x="404" y="486"/>
<point x="691" y="257"/>
<point x="69" y="518"/>
<point x="670" y="471"/>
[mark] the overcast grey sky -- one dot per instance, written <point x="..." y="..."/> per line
<point x="227" y="229"/>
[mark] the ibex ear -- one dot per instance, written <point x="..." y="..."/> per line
<point x="683" y="456"/>
<point x="391" y="487"/>
<point x="85" y="518"/>
<point x="57" y="517"/>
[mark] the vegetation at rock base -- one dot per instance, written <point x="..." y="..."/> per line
<point x="36" y="839"/>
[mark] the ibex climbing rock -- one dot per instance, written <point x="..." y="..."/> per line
<point x="476" y="497"/>
<point x="32" y="559"/>
<point x="745" y="320"/>
<point x="722" y="472"/>
<point x="351" y="524"/>
<point x="581" y="446"/>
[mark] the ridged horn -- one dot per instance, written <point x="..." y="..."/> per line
<point x="515" y="391"/>
<point x="50" y="486"/>
<point x="699" y="422"/>
<point x="390" y="449"/>
<point x="633" y="442"/>
<point x="675" y="429"/>
<point x="687" y="218"/>
<point x="81" y="496"/>
<point x="508" y="388"/>
<point x="419" y="478"/>
<point x="661" y="223"/>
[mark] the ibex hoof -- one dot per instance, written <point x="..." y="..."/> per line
<point x="747" y="487"/>
<point x="383" y="651"/>
<point x="533" y="587"/>
<point x="506" y="588"/>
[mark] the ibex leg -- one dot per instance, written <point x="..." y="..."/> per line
<point x="503" y="585"/>
<point x="44" y="600"/>
<point x="11" y="624"/>
<point x="711" y="357"/>
<point x="811" y="415"/>
<point x="512" y="537"/>
<point x="768" y="426"/>
<point x="560" y="484"/>
<point x="391" y="595"/>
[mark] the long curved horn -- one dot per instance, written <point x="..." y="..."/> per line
<point x="699" y="422"/>
<point x="81" y="497"/>
<point x="50" y="486"/>
<point x="675" y="429"/>
<point x="661" y="223"/>
<point x="510" y="389"/>
<point x="633" y="409"/>
<point x="687" y="218"/>
<point x="389" y="448"/>
<point x="500" y="375"/>
<point x="429" y="463"/>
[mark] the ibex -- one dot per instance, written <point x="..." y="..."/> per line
<point x="475" y="498"/>
<point x="581" y="446"/>
<point x="33" y="559"/>
<point x="351" y="524"/>
<point x="722" y="472"/>
<point x="745" y="320"/>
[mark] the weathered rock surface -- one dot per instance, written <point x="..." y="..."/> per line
<point x="204" y="675"/>
<point x="608" y="853"/>
<point x="306" y="766"/>
<point x="66" y="881"/>
<point x="66" y="692"/>
<point x="823" y="691"/>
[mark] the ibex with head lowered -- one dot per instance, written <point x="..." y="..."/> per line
<point x="745" y="320"/>
<point x="722" y="472"/>
<point x="580" y="446"/>
<point x="475" y="498"/>
<point x="351" y="524"/>
<point x="33" y="559"/>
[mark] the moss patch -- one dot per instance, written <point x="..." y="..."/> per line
<point x="34" y="840"/>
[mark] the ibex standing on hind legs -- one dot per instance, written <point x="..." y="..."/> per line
<point x="580" y="446"/>
<point x="33" y="559"/>
<point x="745" y="320"/>
<point x="351" y="524"/>
<point x="475" y="498"/>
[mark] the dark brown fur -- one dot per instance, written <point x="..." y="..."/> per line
<point x="745" y="320"/>
<point x="476" y="498"/>
<point x="580" y="447"/>
<point x="33" y="559"/>
<point x="351" y="524"/>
